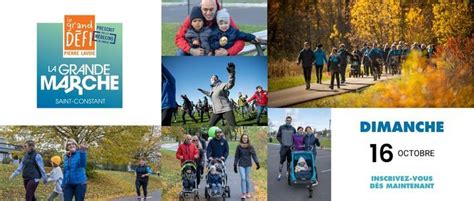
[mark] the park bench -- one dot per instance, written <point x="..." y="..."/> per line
<point x="256" y="49"/>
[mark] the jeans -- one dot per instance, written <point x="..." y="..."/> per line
<point x="245" y="178"/>
<point x="30" y="187"/>
<point x="78" y="191"/>
<point x="260" y="109"/>
<point x="180" y="52"/>
<point x="55" y="194"/>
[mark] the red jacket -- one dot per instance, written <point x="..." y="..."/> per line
<point x="261" y="97"/>
<point x="189" y="152"/>
<point x="183" y="44"/>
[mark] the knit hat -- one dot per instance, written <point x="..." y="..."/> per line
<point x="196" y="13"/>
<point x="223" y="14"/>
<point x="56" y="160"/>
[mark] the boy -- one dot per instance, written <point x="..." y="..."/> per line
<point x="214" y="180"/>
<point x="225" y="36"/>
<point x="198" y="34"/>
<point x="56" y="175"/>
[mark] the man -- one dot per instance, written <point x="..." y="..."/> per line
<point x="343" y="55"/>
<point x="32" y="170"/>
<point x="209" y="9"/>
<point x="219" y="93"/>
<point x="187" y="109"/>
<point x="218" y="148"/>
<point x="284" y="136"/>
<point x="320" y="59"/>
<point x="376" y="58"/>
<point x="168" y="96"/>
<point x="306" y="58"/>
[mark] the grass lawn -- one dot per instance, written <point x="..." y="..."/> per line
<point x="106" y="185"/>
<point x="325" y="142"/>
<point x="170" y="168"/>
<point x="252" y="121"/>
<point x="169" y="31"/>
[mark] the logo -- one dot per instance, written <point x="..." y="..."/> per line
<point x="79" y="63"/>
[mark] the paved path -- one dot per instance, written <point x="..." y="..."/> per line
<point x="295" y="95"/>
<point x="152" y="196"/>
<point x="279" y="190"/>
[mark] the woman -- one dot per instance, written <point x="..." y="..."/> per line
<point x="142" y="173"/>
<point x="222" y="107"/>
<point x="333" y="67"/>
<point x="244" y="154"/>
<point x="199" y="161"/>
<point x="187" y="151"/>
<point x="75" y="179"/>
<point x="298" y="139"/>
<point x="310" y="142"/>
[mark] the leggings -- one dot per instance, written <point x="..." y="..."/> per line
<point x="30" y="187"/>
<point x="143" y="184"/>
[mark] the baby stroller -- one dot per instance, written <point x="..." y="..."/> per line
<point x="306" y="176"/>
<point x="188" y="176"/>
<point x="221" y="189"/>
<point x="355" y="67"/>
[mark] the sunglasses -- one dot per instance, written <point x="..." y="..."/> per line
<point x="194" y="140"/>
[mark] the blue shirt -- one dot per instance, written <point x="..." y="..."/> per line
<point x="320" y="57"/>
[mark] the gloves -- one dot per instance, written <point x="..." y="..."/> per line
<point x="235" y="168"/>
<point x="231" y="67"/>
<point x="258" y="166"/>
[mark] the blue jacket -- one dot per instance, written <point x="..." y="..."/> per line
<point x="333" y="63"/>
<point x="311" y="141"/>
<point x="320" y="57"/>
<point x="218" y="148"/>
<point x="232" y="35"/>
<point x="168" y="89"/>
<point x="75" y="168"/>
<point x="214" y="179"/>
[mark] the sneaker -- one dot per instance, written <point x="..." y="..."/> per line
<point x="248" y="195"/>
<point x="316" y="183"/>
<point x="243" y="196"/>
<point x="279" y="177"/>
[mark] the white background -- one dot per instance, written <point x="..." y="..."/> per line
<point x="452" y="168"/>
<point x="141" y="22"/>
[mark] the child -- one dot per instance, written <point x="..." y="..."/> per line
<point x="198" y="34"/>
<point x="56" y="175"/>
<point x="333" y="67"/>
<point x="225" y="36"/>
<point x="214" y="180"/>
<point x="301" y="165"/>
<point x="188" y="178"/>
<point x="298" y="139"/>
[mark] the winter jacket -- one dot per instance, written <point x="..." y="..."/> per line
<point x="218" y="148"/>
<point x="168" y="89"/>
<point x="261" y="97"/>
<point x="202" y="36"/>
<point x="242" y="101"/>
<point x="311" y="141"/>
<point x="75" y="167"/>
<point x="298" y="141"/>
<point x="320" y="57"/>
<point x="189" y="152"/>
<point x="214" y="179"/>
<point x="219" y="94"/>
<point x="141" y="170"/>
<point x="306" y="57"/>
<point x="343" y="55"/>
<point x="183" y="44"/>
<point x="284" y="135"/>
<point x="244" y="156"/>
<point x="232" y="35"/>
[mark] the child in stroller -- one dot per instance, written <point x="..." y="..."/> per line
<point x="189" y="179"/>
<point x="214" y="180"/>
<point x="355" y="67"/>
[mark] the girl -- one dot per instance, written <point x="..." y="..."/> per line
<point x="243" y="158"/>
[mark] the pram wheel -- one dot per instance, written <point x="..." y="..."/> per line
<point x="310" y="191"/>
<point x="181" y="197"/>
<point x="289" y="180"/>
<point x="227" y="190"/>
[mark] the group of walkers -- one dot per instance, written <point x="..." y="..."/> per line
<point x="208" y="153"/>
<point x="374" y="58"/>
<point x="295" y="139"/>
<point x="72" y="183"/>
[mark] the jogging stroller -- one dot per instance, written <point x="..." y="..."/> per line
<point x="303" y="174"/>
<point x="189" y="180"/>
<point x="216" y="184"/>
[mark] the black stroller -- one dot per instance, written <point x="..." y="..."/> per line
<point x="189" y="178"/>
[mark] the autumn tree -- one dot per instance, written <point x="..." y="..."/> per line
<point x="451" y="19"/>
